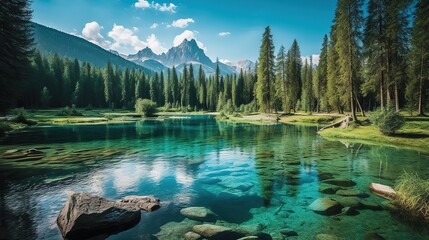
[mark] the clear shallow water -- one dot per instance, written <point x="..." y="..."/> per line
<point x="263" y="176"/>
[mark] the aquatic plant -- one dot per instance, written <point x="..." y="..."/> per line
<point x="412" y="195"/>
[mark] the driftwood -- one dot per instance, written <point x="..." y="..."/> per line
<point x="343" y="122"/>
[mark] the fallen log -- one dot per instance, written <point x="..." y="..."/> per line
<point x="383" y="191"/>
<point x="342" y="122"/>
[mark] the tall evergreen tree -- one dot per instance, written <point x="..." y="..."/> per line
<point x="281" y="81"/>
<point x="419" y="56"/>
<point x="293" y="76"/>
<point x="348" y="48"/>
<point x="108" y="85"/>
<point x="321" y="79"/>
<point x="15" y="49"/>
<point x="266" y="74"/>
<point x="175" y="87"/>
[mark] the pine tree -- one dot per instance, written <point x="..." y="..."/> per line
<point x="234" y="96"/>
<point x="192" y="89"/>
<point x="240" y="89"/>
<point x="15" y="49"/>
<point x="293" y="76"/>
<point x="108" y="82"/>
<point x="322" y="77"/>
<point x="348" y="48"/>
<point x="281" y="81"/>
<point x="202" y="88"/>
<point x="266" y="74"/>
<point x="175" y="87"/>
<point x="419" y="56"/>
<point x="45" y="97"/>
<point x="167" y="90"/>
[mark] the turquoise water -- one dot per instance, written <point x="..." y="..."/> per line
<point x="264" y="176"/>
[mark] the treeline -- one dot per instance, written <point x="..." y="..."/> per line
<point x="378" y="61"/>
<point x="56" y="82"/>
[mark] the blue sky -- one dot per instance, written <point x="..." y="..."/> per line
<point x="227" y="29"/>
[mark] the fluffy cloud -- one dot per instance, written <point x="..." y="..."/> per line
<point x="125" y="37"/>
<point x="91" y="32"/>
<point x="315" y="58"/>
<point x="143" y="4"/>
<point x="187" y="34"/>
<point x="154" y="25"/>
<point x="224" y="34"/>
<point x="182" y="23"/>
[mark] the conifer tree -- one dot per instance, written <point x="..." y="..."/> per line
<point x="266" y="74"/>
<point x="321" y="78"/>
<point x="281" y="81"/>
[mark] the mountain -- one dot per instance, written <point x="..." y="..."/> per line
<point x="49" y="41"/>
<point x="186" y="53"/>
<point x="245" y="65"/>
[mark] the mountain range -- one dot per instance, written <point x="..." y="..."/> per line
<point x="49" y="41"/>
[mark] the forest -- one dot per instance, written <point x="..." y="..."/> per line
<point x="372" y="58"/>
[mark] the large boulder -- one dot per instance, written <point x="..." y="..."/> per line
<point x="85" y="215"/>
<point x="325" y="206"/>
<point x="215" y="232"/>
<point x="201" y="214"/>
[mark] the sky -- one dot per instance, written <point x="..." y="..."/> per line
<point x="230" y="30"/>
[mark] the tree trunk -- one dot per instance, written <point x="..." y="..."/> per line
<point x="360" y="107"/>
<point x="396" y="97"/>
<point x="381" y="92"/>
<point x="420" y="108"/>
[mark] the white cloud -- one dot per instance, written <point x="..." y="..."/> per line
<point x="91" y="32"/>
<point x="315" y="58"/>
<point x="225" y="61"/>
<point x="154" y="25"/>
<point x="143" y="4"/>
<point x="182" y="23"/>
<point x="125" y="37"/>
<point x="224" y="34"/>
<point x="187" y="34"/>
<point x="164" y="7"/>
<point x="136" y="29"/>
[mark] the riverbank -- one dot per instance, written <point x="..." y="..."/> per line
<point x="413" y="135"/>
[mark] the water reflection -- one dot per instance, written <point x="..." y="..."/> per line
<point x="251" y="175"/>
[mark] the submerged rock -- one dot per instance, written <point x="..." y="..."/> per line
<point x="349" y="211"/>
<point x="351" y="193"/>
<point x="199" y="213"/>
<point x="211" y="231"/>
<point x="349" y="202"/>
<point x="340" y="182"/>
<point x="370" y="205"/>
<point x="373" y="236"/>
<point x="325" y="206"/>
<point x="85" y="215"/>
<point x="288" y="232"/>
<point x="192" y="236"/>
<point x="176" y="230"/>
<point x="328" y="189"/>
<point x="323" y="236"/>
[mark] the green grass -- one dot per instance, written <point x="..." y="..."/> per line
<point x="412" y="196"/>
<point x="414" y="135"/>
<point x="302" y="119"/>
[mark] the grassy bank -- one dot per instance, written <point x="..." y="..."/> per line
<point x="414" y="135"/>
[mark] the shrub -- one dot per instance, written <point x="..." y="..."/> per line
<point x="146" y="107"/>
<point x="67" y="111"/>
<point x="387" y="120"/>
<point x="4" y="127"/>
<point x="412" y="195"/>
<point x="21" y="116"/>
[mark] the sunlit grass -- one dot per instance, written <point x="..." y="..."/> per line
<point x="412" y="195"/>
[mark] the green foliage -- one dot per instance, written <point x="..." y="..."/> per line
<point x="266" y="74"/>
<point x="67" y="111"/>
<point x="146" y="107"/>
<point x="21" y="116"/>
<point x="45" y="97"/>
<point x="4" y="127"/>
<point x="387" y="120"/>
<point x="412" y="195"/>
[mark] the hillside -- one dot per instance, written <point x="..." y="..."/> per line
<point x="49" y="41"/>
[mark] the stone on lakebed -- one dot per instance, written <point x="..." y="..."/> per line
<point x="325" y="206"/>
<point x="199" y="213"/>
<point x="211" y="231"/>
<point x="340" y="182"/>
<point x="85" y="215"/>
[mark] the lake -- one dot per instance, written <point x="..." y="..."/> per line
<point x="263" y="177"/>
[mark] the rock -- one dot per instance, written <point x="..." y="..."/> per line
<point x="199" y="213"/>
<point x="370" y="205"/>
<point x="249" y="238"/>
<point x="382" y="190"/>
<point x="11" y="151"/>
<point x="324" y="176"/>
<point x="216" y="232"/>
<point x="85" y="215"/>
<point x="325" y="206"/>
<point x="340" y="182"/>
<point x="349" y="202"/>
<point x="328" y="189"/>
<point x="146" y="203"/>
<point x="176" y="230"/>
<point x="351" y="193"/>
<point x="34" y="151"/>
<point x="192" y="236"/>
<point x="349" y="211"/>
<point x="288" y="232"/>
<point x="373" y="236"/>
<point x="328" y="237"/>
